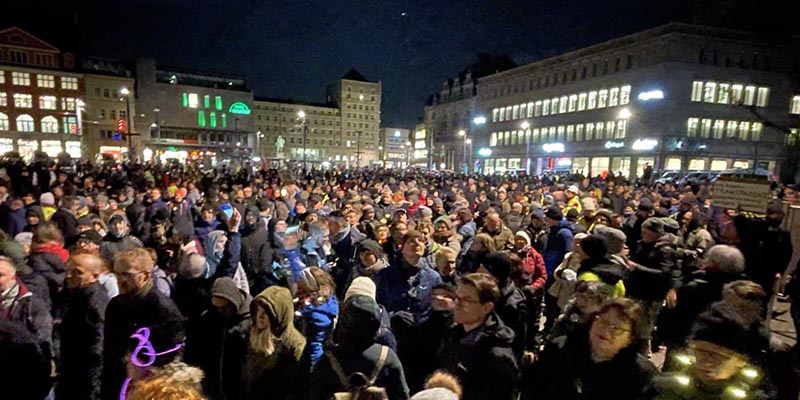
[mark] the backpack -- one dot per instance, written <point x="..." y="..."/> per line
<point x="358" y="383"/>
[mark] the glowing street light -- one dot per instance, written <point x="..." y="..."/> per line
<point x="525" y="125"/>
<point x="462" y="133"/>
<point x="479" y="120"/>
<point x="625" y="113"/>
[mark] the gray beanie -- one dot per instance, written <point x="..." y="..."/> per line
<point x="613" y="238"/>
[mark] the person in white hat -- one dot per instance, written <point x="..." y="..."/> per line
<point x="572" y="199"/>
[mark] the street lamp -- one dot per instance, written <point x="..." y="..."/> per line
<point x="468" y="142"/>
<point x="525" y="125"/>
<point x="625" y="113"/>
<point x="126" y="93"/>
<point x="302" y="115"/>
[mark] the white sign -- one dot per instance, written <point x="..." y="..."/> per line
<point x="614" y="145"/>
<point x="651" y="95"/>
<point x="553" y="147"/>
<point x="484" y="152"/>
<point x="644" y="144"/>
<point x="741" y="194"/>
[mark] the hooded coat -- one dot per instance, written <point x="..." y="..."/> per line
<point x="277" y="374"/>
<point x="357" y="351"/>
<point x="47" y="260"/>
<point x="36" y="211"/>
<point x="256" y="255"/>
<point x="482" y="360"/>
<point x="345" y="245"/>
<point x="113" y="244"/>
<point x="559" y="243"/>
<point x="319" y="321"/>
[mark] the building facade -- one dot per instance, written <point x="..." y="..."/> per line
<point x="39" y="97"/>
<point x="395" y="148"/>
<point x="449" y="119"/>
<point x="359" y="102"/>
<point x="421" y="141"/>
<point x="192" y="115"/>
<point x="106" y="110"/>
<point x="678" y="97"/>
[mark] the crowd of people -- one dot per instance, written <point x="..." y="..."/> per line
<point x="174" y="282"/>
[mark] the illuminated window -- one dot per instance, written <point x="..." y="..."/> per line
<point x="185" y="99"/>
<point x="755" y="131"/>
<point x="535" y="138"/>
<point x="697" y="91"/>
<point x="744" y="130"/>
<point x="573" y="103"/>
<point x="218" y="102"/>
<point x="705" y="128"/>
<point x="45" y="81"/>
<point x="570" y="133"/>
<point x="622" y="129"/>
<point x="495" y="113"/>
<point x="530" y="109"/>
<point x="514" y="138"/>
<point x="2" y="76"/>
<point x="69" y="83"/>
<point x="493" y="140"/>
<point x="791" y="138"/>
<point x="3" y="99"/>
<point x="515" y="113"/>
<point x="546" y="107"/>
<point x="691" y="127"/>
<point x="602" y="98"/>
<point x="719" y="128"/>
<point x="611" y="128"/>
<point x="763" y="97"/>
<point x="47" y="102"/>
<point x="613" y="97"/>
<point x="225" y="121"/>
<point x="508" y="113"/>
<point x="212" y="119"/>
<point x="579" y="132"/>
<point x="554" y="105"/>
<point x="201" y="119"/>
<point x="502" y="115"/>
<point x="3" y="122"/>
<point x="562" y="105"/>
<point x="723" y="94"/>
<point x="21" y="78"/>
<point x="589" y="132"/>
<point x="25" y="123"/>
<point x="736" y="93"/>
<point x="710" y="92"/>
<point x="581" y="101"/>
<point x="749" y="95"/>
<point x="732" y="128"/>
<point x="49" y="124"/>
<point x="552" y="133"/>
<point x="70" y="125"/>
<point x="599" y="128"/>
<point x="69" y="103"/>
<point x="23" y="100"/>
<point x="592" y="100"/>
<point x="537" y="111"/>
<point x="194" y="100"/>
<point x="794" y="108"/>
<point x="625" y="95"/>
<point x="206" y="101"/>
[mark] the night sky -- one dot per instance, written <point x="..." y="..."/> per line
<point x="296" y="48"/>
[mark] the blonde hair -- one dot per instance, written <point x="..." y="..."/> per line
<point x="442" y="254"/>
<point x="138" y="259"/>
<point x="262" y="341"/>
<point x="163" y="388"/>
<point x="486" y="241"/>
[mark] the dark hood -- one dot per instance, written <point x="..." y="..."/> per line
<point x="37" y="211"/>
<point x="358" y="323"/>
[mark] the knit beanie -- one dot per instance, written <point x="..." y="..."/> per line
<point x="554" y="213"/>
<point x="444" y="219"/>
<point x="525" y="236"/>
<point x="361" y="286"/>
<point x="654" y="224"/>
<point x="47" y="199"/>
<point x="613" y="239"/>
<point x="499" y="265"/>
<point x="14" y="251"/>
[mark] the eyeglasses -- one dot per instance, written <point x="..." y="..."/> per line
<point x="465" y="301"/>
<point x="616" y="330"/>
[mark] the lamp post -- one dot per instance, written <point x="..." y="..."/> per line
<point x="478" y="121"/>
<point x="126" y="93"/>
<point x="468" y="142"/>
<point x="463" y="134"/>
<point x="525" y="125"/>
<point x="302" y="115"/>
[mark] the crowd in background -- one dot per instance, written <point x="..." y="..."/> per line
<point x="185" y="282"/>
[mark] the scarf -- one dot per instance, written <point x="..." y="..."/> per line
<point x="52" y="248"/>
<point x="8" y="296"/>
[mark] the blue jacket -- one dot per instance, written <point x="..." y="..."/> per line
<point x="318" y="325"/>
<point x="559" y="243"/>
<point x="467" y="232"/>
<point x="404" y="287"/>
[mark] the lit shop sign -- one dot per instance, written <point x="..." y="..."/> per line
<point x="239" y="108"/>
<point x="485" y="152"/>
<point x="564" y="162"/>
<point x="553" y="147"/>
<point x="614" y="145"/>
<point x="644" y="144"/>
<point x="651" y="95"/>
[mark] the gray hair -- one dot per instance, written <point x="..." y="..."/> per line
<point x="192" y="266"/>
<point x="726" y="259"/>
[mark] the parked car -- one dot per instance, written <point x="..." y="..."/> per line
<point x="698" y="177"/>
<point x="669" y="177"/>
<point x="759" y="173"/>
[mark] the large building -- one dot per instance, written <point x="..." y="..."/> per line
<point x="107" y="110"/>
<point x="39" y="97"/>
<point x="192" y="115"/>
<point x="451" y="117"/>
<point x="395" y="147"/>
<point x="343" y="131"/>
<point x="679" y="96"/>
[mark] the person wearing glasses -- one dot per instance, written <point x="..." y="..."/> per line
<point x="478" y="350"/>
<point x="598" y="361"/>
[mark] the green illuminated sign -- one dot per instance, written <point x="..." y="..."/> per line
<point x="239" y="108"/>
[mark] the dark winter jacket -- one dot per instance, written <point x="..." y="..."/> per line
<point x="566" y="371"/>
<point x="345" y="247"/>
<point x="113" y="245"/>
<point x="15" y="222"/>
<point x="48" y="261"/>
<point x="482" y="360"/>
<point x="31" y="312"/>
<point x="405" y="287"/>
<point x="181" y="217"/>
<point x="124" y="316"/>
<point x="202" y="228"/>
<point x="25" y="372"/>
<point x="467" y="232"/>
<point x="559" y="243"/>
<point x="660" y="257"/>
<point x="512" y="308"/>
<point x="67" y="223"/>
<point x="357" y="351"/>
<point x="81" y="334"/>
<point x="256" y="255"/>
